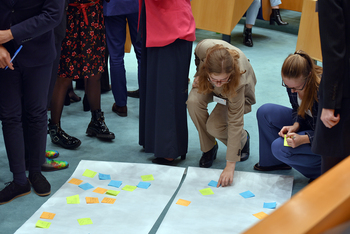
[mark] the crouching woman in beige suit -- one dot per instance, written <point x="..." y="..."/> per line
<point x="224" y="75"/>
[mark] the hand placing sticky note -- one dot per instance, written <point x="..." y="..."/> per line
<point x="144" y="185"/>
<point x="285" y="141"/>
<point x="247" y="194"/>
<point x="73" y="199"/>
<point x="206" y="191"/>
<point x="104" y="176"/>
<point x="47" y="215"/>
<point x="260" y="215"/>
<point x="147" y="177"/>
<point x="270" y="205"/>
<point x="213" y="183"/>
<point x="129" y="188"/>
<point x="89" y="173"/>
<point x="42" y="224"/>
<point x="115" y="183"/>
<point x="183" y="202"/>
<point x="84" y="221"/>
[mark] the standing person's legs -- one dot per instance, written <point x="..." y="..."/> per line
<point x="251" y="15"/>
<point x="275" y="15"/>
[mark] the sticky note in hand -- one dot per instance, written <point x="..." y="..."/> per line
<point x="285" y="141"/>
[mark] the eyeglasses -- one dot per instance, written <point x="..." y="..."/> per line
<point x="219" y="82"/>
<point x="284" y="85"/>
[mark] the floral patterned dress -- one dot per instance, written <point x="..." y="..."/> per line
<point x="83" y="49"/>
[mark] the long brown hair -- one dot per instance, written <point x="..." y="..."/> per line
<point x="220" y="59"/>
<point x="299" y="65"/>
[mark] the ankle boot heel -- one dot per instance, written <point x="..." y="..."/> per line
<point x="98" y="128"/>
<point x="276" y="17"/>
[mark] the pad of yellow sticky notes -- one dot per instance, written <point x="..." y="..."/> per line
<point x="47" y="215"/>
<point x="183" y="202"/>
<point x="89" y="173"/>
<point x="285" y="141"/>
<point x="260" y="215"/>
<point x="147" y="177"/>
<point x="84" y="221"/>
<point x="42" y="224"/>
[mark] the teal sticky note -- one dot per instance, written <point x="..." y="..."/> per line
<point x="144" y="185"/>
<point x="86" y="186"/>
<point x="247" y="194"/>
<point x="270" y="205"/>
<point x="115" y="183"/>
<point x="213" y="183"/>
<point x="104" y="176"/>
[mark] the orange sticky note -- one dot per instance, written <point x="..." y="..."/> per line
<point x="260" y="215"/>
<point x="47" y="215"/>
<point x="75" y="181"/>
<point x="108" y="200"/>
<point x="91" y="200"/>
<point x="100" y="190"/>
<point x="183" y="202"/>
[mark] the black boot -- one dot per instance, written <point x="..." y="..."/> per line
<point x="98" y="127"/>
<point x="276" y="17"/>
<point x="61" y="138"/>
<point x="246" y="149"/>
<point x="247" y="37"/>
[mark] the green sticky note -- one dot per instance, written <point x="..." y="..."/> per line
<point x="112" y="192"/>
<point x="89" y="173"/>
<point x="42" y="224"/>
<point x="129" y="188"/>
<point x="84" y="221"/>
<point x="73" y="199"/>
<point x="147" y="177"/>
<point x="206" y="191"/>
<point x="285" y="141"/>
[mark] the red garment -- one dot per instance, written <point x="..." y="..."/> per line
<point x="168" y="20"/>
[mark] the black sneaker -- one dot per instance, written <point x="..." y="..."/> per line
<point x="40" y="185"/>
<point x="12" y="191"/>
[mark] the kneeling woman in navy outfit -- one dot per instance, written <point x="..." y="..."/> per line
<point x="294" y="125"/>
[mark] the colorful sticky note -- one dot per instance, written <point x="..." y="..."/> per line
<point x="108" y="200"/>
<point x="47" y="215"/>
<point x="183" y="202"/>
<point x="129" y="188"/>
<point x="144" y="185"/>
<point x="91" y="200"/>
<point x="100" y="190"/>
<point x="112" y="192"/>
<point x="115" y="183"/>
<point x="247" y="194"/>
<point x="75" y="181"/>
<point x="270" y="205"/>
<point x="89" y="173"/>
<point x="42" y="224"/>
<point x="84" y="221"/>
<point x="213" y="183"/>
<point x="260" y="215"/>
<point x="104" y="176"/>
<point x="86" y="186"/>
<point x="147" y="177"/>
<point x="206" y="191"/>
<point x="285" y="141"/>
<point x="73" y="199"/>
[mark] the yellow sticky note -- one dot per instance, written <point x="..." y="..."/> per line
<point x="42" y="224"/>
<point x="183" y="202"/>
<point x="75" y="181"/>
<point x="147" y="177"/>
<point x="108" y="200"/>
<point x="206" y="191"/>
<point x="84" y="221"/>
<point x="129" y="188"/>
<point x="47" y="215"/>
<point x="113" y="192"/>
<point x="100" y="190"/>
<point x="91" y="200"/>
<point x="73" y="199"/>
<point x="260" y="215"/>
<point x="89" y="173"/>
<point x="285" y="141"/>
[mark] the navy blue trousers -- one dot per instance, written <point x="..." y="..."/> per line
<point x="271" y="118"/>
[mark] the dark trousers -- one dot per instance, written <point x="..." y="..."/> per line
<point x="23" y="98"/>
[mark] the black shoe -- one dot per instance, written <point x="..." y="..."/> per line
<point x="12" y="191"/>
<point x="247" y="37"/>
<point x="134" y="94"/>
<point x="61" y="138"/>
<point x="246" y="149"/>
<point x="276" y="17"/>
<point x="40" y="185"/>
<point x="163" y="161"/>
<point x="208" y="158"/>
<point x="283" y="166"/>
<point x="98" y="127"/>
<point x="122" y="111"/>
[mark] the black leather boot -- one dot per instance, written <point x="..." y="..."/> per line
<point x="98" y="127"/>
<point x="208" y="158"/>
<point x="276" y="17"/>
<point x="247" y="37"/>
<point x="61" y="138"/>
<point x="246" y="149"/>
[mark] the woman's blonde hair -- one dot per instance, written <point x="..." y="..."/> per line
<point x="299" y="65"/>
<point x="218" y="60"/>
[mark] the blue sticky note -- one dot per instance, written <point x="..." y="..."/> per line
<point x="213" y="183"/>
<point x="270" y="205"/>
<point x="104" y="176"/>
<point x="144" y="185"/>
<point x="115" y="183"/>
<point x="86" y="186"/>
<point x="247" y="194"/>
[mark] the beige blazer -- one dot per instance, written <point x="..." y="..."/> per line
<point x="240" y="104"/>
